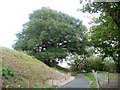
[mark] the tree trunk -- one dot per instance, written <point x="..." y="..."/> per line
<point x="119" y="62"/>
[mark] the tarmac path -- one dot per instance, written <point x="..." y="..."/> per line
<point x="79" y="82"/>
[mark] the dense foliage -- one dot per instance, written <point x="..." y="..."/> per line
<point x="105" y="37"/>
<point x="50" y="36"/>
<point x="105" y="34"/>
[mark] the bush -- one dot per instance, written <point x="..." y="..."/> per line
<point x="7" y="73"/>
<point x="94" y="63"/>
<point x="110" y="65"/>
<point x="99" y="64"/>
<point x="74" y="68"/>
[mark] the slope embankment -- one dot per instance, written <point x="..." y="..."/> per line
<point x="22" y="70"/>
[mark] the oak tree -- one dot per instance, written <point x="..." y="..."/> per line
<point x="50" y="35"/>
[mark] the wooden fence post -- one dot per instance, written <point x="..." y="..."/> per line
<point x="65" y="78"/>
<point x="98" y="80"/>
<point x="52" y="81"/>
<point x="93" y="71"/>
<point x="108" y="78"/>
<point x="108" y="81"/>
<point x="99" y="83"/>
<point x="7" y="87"/>
<point x="43" y="83"/>
<point x="28" y="84"/>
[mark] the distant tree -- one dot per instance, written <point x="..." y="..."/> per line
<point x="80" y="63"/>
<point x="77" y="62"/>
<point x="50" y="36"/>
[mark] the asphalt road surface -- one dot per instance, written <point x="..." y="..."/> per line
<point x="79" y="82"/>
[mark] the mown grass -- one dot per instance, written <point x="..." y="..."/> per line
<point x="93" y="82"/>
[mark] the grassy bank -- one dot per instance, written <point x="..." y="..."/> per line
<point x="22" y="70"/>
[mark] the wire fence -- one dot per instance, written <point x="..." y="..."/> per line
<point x="46" y="82"/>
<point x="107" y="80"/>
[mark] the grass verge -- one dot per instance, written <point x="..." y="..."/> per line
<point x="53" y="86"/>
<point x="93" y="82"/>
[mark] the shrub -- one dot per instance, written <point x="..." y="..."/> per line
<point x="7" y="73"/>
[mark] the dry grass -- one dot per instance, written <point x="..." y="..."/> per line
<point x="26" y="68"/>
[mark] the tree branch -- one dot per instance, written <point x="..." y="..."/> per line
<point x="112" y="13"/>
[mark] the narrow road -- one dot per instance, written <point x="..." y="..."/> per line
<point x="79" y="82"/>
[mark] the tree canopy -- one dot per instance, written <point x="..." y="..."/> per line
<point x="112" y="8"/>
<point x="50" y="36"/>
<point x="105" y="34"/>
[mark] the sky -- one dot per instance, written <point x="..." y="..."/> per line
<point x="14" y="13"/>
